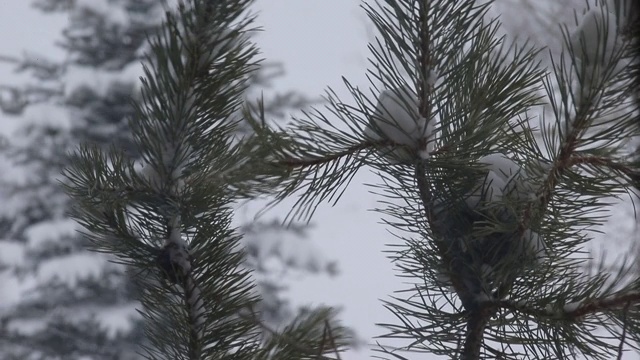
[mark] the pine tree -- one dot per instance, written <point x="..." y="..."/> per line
<point x="67" y="298"/>
<point x="495" y="224"/>
<point x="167" y="216"/>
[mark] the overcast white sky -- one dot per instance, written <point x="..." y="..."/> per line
<point x="319" y="41"/>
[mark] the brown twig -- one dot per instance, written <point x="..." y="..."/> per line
<point x="323" y="160"/>
<point x="632" y="174"/>
<point x="565" y="161"/>
<point x="585" y="308"/>
<point x="604" y="304"/>
<point x="301" y="163"/>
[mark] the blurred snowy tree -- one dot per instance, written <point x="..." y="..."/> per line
<point x="63" y="302"/>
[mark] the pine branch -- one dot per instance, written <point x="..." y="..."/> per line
<point x="458" y="144"/>
<point x="561" y="164"/>
<point x="632" y="174"/>
<point x="573" y="312"/>
<point x="603" y="305"/>
<point x="481" y="87"/>
<point x="349" y="152"/>
<point x="585" y="103"/>
<point x="193" y="81"/>
<point x="331" y="338"/>
<point x="288" y="338"/>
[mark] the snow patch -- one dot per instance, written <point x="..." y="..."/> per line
<point x="281" y="251"/>
<point x="9" y="297"/>
<point x="396" y="118"/>
<point x="27" y="327"/>
<point x="50" y="231"/>
<point x="47" y="115"/>
<point x="114" y="319"/>
<point x="11" y="253"/>
<point x="596" y="36"/>
<point x="72" y="267"/>
<point x="117" y="319"/>
<point x="596" y="44"/>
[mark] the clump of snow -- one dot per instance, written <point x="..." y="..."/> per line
<point x="596" y="45"/>
<point x="596" y="37"/>
<point x="114" y="319"/>
<point x="27" y="326"/>
<point x="396" y="118"/>
<point x="44" y="114"/>
<point x="504" y="180"/>
<point x="534" y="173"/>
<point x="499" y="170"/>
<point x="549" y="309"/>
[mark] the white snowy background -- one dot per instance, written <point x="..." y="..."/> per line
<point x="319" y="41"/>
